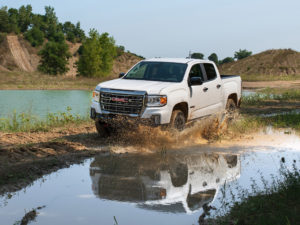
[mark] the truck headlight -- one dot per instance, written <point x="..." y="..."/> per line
<point x="96" y="96"/>
<point x="156" y="100"/>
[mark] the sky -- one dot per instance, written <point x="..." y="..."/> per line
<point x="172" y="28"/>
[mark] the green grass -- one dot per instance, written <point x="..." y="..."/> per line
<point x="278" y="203"/>
<point x="251" y="123"/>
<point x="268" y="94"/>
<point x="26" y="122"/>
<point x="256" y="77"/>
<point x="288" y="120"/>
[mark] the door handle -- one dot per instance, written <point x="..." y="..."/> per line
<point x="205" y="89"/>
<point x="218" y="86"/>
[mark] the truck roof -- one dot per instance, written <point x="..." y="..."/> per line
<point x="177" y="60"/>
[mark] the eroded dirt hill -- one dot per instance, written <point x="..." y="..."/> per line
<point x="270" y="62"/>
<point x="17" y="54"/>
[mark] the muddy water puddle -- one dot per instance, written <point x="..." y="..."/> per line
<point x="169" y="187"/>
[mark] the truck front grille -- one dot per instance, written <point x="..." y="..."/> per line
<point x="121" y="103"/>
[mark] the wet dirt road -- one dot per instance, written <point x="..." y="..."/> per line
<point x="167" y="187"/>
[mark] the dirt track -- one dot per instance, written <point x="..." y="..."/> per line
<point x="271" y="84"/>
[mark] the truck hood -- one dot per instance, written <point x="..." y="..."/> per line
<point x="151" y="87"/>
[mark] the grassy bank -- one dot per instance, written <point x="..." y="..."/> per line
<point x="278" y="203"/>
<point x="26" y="122"/>
<point x="269" y="107"/>
<point x="35" y="80"/>
<point x="252" y="123"/>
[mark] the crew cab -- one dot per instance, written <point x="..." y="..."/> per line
<point x="165" y="91"/>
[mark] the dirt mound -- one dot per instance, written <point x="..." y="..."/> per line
<point x="124" y="62"/>
<point x="73" y="48"/>
<point x="16" y="53"/>
<point x="271" y="62"/>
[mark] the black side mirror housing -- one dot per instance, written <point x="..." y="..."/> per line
<point x="196" y="81"/>
<point x="121" y="75"/>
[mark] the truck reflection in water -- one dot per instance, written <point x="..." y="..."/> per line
<point x="173" y="183"/>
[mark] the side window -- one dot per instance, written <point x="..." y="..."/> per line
<point x="196" y="71"/>
<point x="210" y="71"/>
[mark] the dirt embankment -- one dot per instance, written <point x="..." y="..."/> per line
<point x="276" y="62"/>
<point x="16" y="54"/>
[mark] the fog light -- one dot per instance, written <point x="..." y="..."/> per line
<point x="156" y="119"/>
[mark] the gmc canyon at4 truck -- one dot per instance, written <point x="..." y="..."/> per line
<point x="165" y="91"/>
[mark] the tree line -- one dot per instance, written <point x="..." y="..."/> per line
<point x="238" y="55"/>
<point x="96" y="53"/>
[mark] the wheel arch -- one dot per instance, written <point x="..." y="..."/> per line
<point x="234" y="97"/>
<point x="183" y="106"/>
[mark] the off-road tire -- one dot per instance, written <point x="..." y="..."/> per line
<point x="231" y="109"/>
<point x="231" y="106"/>
<point x="177" y="120"/>
<point x="102" y="129"/>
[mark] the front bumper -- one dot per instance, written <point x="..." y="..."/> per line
<point x="153" y="115"/>
<point x="154" y="120"/>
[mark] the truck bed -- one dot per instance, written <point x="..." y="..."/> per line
<point x="224" y="76"/>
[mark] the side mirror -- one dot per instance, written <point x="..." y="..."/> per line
<point x="196" y="81"/>
<point x="121" y="75"/>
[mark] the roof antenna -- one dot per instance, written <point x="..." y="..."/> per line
<point x="190" y="55"/>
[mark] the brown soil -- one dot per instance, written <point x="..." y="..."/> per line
<point x="272" y="62"/>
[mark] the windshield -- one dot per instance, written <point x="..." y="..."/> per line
<point x="157" y="71"/>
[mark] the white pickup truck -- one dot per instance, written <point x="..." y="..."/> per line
<point x="165" y="91"/>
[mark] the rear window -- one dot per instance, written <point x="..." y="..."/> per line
<point x="210" y="71"/>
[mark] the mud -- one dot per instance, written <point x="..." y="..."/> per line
<point x="25" y="157"/>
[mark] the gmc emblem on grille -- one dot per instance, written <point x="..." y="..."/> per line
<point x="119" y="99"/>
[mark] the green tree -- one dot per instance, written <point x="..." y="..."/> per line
<point x="13" y="20"/>
<point x="213" y="57"/>
<point x="241" y="54"/>
<point x="108" y="53"/>
<point x="25" y="17"/>
<point x="4" y="20"/>
<point x="90" y="58"/>
<point x="35" y="36"/>
<point x="54" y="58"/>
<point x="79" y="33"/>
<point x="197" y="55"/>
<point x="96" y="55"/>
<point x="226" y="60"/>
<point x="51" y="22"/>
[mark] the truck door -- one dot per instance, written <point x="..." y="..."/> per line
<point x="213" y="89"/>
<point x="197" y="95"/>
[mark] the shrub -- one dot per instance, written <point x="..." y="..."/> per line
<point x="197" y="55"/>
<point x="35" y="36"/>
<point x="241" y="54"/>
<point x="54" y="58"/>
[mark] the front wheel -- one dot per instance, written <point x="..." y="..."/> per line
<point x="178" y="120"/>
<point x="102" y="128"/>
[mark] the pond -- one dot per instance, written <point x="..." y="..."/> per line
<point x="146" y="189"/>
<point x="41" y="102"/>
